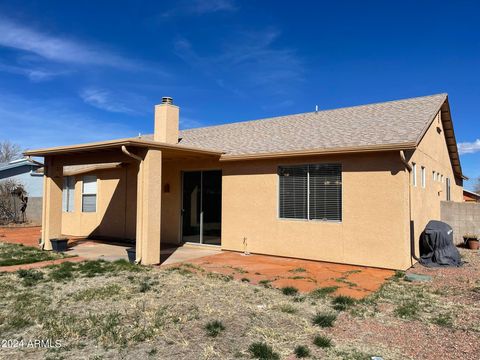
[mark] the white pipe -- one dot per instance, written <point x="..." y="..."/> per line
<point x="404" y="160"/>
<point x="138" y="257"/>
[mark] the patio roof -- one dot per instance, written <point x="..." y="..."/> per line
<point x="167" y="149"/>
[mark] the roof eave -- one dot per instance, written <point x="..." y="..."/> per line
<point x="104" y="145"/>
<point x="332" y="151"/>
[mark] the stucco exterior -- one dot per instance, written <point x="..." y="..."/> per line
<point x="383" y="212"/>
<point x="433" y="155"/>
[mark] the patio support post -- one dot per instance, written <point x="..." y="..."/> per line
<point x="149" y="199"/>
<point x="52" y="202"/>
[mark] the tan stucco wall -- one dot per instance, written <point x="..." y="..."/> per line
<point x="432" y="153"/>
<point x="116" y="206"/>
<point x="372" y="232"/>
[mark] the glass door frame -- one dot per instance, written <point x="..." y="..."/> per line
<point x="182" y="210"/>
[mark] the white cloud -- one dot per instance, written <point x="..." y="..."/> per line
<point x="103" y="99"/>
<point x="58" y="49"/>
<point x="469" y="147"/>
<point x="32" y="73"/>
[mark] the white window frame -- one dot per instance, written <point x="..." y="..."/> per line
<point x="414" y="174"/>
<point x="424" y="177"/>
<point x="90" y="193"/>
<point x="67" y="191"/>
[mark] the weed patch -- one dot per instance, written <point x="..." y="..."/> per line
<point x="323" y="292"/>
<point x="407" y="310"/>
<point x="289" y="291"/>
<point x="214" y="328"/>
<point x="324" y="319"/>
<point x="30" y="277"/>
<point x="322" y="341"/>
<point x="342" y="303"/>
<point x="18" y="254"/>
<point x="301" y="351"/>
<point x="262" y="351"/>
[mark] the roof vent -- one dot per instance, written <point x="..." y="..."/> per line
<point x="167" y="100"/>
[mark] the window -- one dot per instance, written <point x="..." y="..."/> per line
<point x="311" y="192"/>
<point x="424" y="180"/>
<point x="68" y="194"/>
<point x="434" y="176"/>
<point x="442" y="179"/>
<point x="448" y="189"/>
<point x="89" y="194"/>
<point x="414" y="174"/>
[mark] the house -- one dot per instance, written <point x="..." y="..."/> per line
<point x="28" y="173"/>
<point x="353" y="185"/>
<point x="470" y="196"/>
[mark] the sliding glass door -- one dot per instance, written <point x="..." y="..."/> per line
<point x="202" y="207"/>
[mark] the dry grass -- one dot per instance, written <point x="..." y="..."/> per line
<point x="114" y="310"/>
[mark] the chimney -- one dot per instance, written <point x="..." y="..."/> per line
<point x="166" y="121"/>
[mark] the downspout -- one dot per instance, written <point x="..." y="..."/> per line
<point x="412" y="240"/>
<point x="138" y="257"/>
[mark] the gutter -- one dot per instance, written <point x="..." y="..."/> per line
<point x="412" y="239"/>
<point x="138" y="256"/>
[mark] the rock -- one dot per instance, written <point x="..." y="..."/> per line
<point x="417" y="278"/>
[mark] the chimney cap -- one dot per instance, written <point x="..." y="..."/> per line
<point x="167" y="100"/>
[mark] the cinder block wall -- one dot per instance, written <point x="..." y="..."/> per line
<point x="34" y="210"/>
<point x="463" y="217"/>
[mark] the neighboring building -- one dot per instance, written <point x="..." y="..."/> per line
<point x="354" y="185"/>
<point x="470" y="196"/>
<point x="27" y="173"/>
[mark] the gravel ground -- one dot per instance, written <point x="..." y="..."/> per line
<point x="115" y="310"/>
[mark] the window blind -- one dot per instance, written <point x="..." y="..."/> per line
<point x="89" y="194"/>
<point x="325" y="188"/>
<point x="293" y="192"/>
<point x="311" y="192"/>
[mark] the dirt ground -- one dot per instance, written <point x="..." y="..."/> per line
<point x="104" y="310"/>
<point x="355" y="281"/>
<point x="27" y="235"/>
<point x="101" y="310"/>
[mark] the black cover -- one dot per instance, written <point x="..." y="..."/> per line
<point x="436" y="246"/>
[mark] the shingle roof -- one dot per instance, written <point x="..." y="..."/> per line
<point x="389" y="123"/>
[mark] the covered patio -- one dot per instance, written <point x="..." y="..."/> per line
<point x="152" y="185"/>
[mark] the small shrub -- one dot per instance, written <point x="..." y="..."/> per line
<point x="214" y="328"/>
<point x="297" y="270"/>
<point x="407" y="310"/>
<point x="323" y="292"/>
<point x="30" y="277"/>
<point x="322" y="341"/>
<point x="245" y="280"/>
<point x="262" y="351"/>
<point x="443" y="320"/>
<point x="301" y="351"/>
<point x="399" y="274"/>
<point x="342" y="302"/>
<point x="289" y="291"/>
<point x="324" y="319"/>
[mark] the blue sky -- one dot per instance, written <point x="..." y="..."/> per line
<point x="85" y="71"/>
